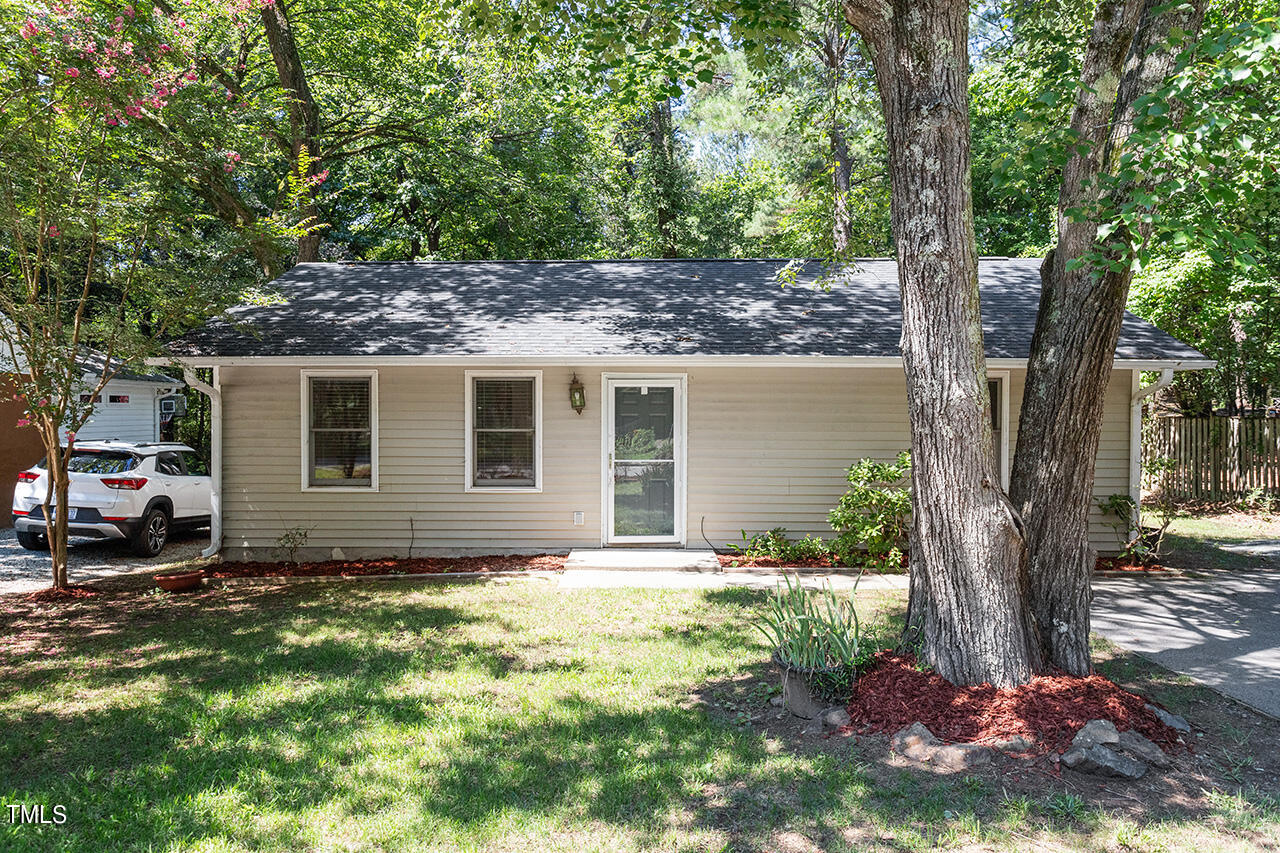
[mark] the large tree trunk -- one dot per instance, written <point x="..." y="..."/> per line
<point x="968" y="604"/>
<point x="841" y="222"/>
<point x="663" y="168"/>
<point x="304" y="116"/>
<point x="1078" y="325"/>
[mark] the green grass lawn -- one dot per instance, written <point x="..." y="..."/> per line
<point x="404" y="716"/>
<point x="1192" y="541"/>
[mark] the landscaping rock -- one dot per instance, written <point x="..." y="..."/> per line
<point x="1094" y="733"/>
<point x="1173" y="721"/>
<point x="1100" y="760"/>
<point x="917" y="743"/>
<point x="1142" y="749"/>
<point x="835" y="718"/>
<point x="1017" y="743"/>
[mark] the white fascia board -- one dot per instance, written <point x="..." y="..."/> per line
<point x="321" y="361"/>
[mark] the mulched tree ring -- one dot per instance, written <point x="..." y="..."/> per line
<point x="69" y="592"/>
<point x="1048" y="711"/>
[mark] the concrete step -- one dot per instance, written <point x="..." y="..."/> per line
<point x="642" y="560"/>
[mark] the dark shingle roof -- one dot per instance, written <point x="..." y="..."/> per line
<point x="615" y="308"/>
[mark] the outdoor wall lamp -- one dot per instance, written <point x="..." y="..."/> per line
<point x="577" y="395"/>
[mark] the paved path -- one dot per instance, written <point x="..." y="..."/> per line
<point x="88" y="560"/>
<point x="1221" y="628"/>
<point x="755" y="579"/>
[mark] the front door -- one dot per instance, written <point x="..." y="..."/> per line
<point x="644" y="464"/>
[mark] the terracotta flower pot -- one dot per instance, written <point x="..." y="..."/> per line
<point x="180" y="581"/>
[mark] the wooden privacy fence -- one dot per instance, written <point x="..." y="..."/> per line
<point x="1213" y="458"/>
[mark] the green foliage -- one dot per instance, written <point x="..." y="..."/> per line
<point x="1231" y="315"/>
<point x="1120" y="512"/>
<point x="776" y="545"/>
<point x="292" y="540"/>
<point x="817" y="633"/>
<point x="872" y="519"/>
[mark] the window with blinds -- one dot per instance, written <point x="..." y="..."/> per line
<point x="504" y="432"/>
<point x="340" y="435"/>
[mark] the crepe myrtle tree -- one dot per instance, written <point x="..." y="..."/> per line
<point x="85" y="231"/>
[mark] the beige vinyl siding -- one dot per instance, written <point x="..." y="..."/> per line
<point x="1111" y="473"/>
<point x="767" y="447"/>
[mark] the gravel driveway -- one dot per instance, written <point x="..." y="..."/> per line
<point x="89" y="560"/>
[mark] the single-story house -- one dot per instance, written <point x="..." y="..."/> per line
<point x="528" y="406"/>
<point x="130" y="407"/>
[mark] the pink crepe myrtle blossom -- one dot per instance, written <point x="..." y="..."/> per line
<point x="23" y="422"/>
<point x="164" y="48"/>
<point x="29" y="29"/>
<point x="54" y="232"/>
<point x="73" y="72"/>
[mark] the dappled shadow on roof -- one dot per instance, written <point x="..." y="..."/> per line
<point x="615" y="308"/>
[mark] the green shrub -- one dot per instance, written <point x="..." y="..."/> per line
<point x="873" y="518"/>
<point x="816" y="632"/>
<point x="775" y="544"/>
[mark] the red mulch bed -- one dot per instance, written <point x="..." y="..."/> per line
<point x="70" y="592"/>
<point x="729" y="561"/>
<point x="386" y="566"/>
<point x="1049" y="710"/>
<point x="1119" y="564"/>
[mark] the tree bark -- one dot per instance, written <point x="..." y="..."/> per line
<point x="967" y="605"/>
<point x="1078" y="326"/>
<point x="662" y="165"/>
<point x="841" y="221"/>
<point x="304" y="115"/>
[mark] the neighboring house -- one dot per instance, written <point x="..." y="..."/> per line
<point x="128" y="408"/>
<point x="431" y="408"/>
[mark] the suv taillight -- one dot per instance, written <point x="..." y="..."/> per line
<point x="27" y="477"/>
<point x="130" y="483"/>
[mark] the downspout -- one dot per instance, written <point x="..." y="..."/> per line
<point x="1139" y="395"/>
<point x="214" y="393"/>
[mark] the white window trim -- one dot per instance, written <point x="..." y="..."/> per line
<point x="681" y="382"/>
<point x="469" y="377"/>
<point x="1003" y="377"/>
<point x="305" y="406"/>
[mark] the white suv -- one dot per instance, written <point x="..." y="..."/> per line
<point x="120" y="490"/>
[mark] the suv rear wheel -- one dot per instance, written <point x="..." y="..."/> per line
<point x="32" y="541"/>
<point x="152" y="533"/>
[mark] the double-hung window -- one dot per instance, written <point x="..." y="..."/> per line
<point x="340" y="430"/>
<point x="504" y="424"/>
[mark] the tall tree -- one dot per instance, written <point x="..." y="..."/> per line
<point x="968" y="578"/>
<point x="1086" y="276"/>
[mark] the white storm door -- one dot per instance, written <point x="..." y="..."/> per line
<point x="644" y="447"/>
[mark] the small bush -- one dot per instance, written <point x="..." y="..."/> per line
<point x="817" y="633"/>
<point x="775" y="544"/>
<point x="873" y="518"/>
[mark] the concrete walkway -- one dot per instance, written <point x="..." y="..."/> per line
<point x="642" y="559"/>
<point x="754" y="579"/>
<point x="1221" y="628"/>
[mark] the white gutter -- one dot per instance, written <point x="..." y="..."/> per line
<point x="214" y="393"/>
<point x="1136" y="398"/>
